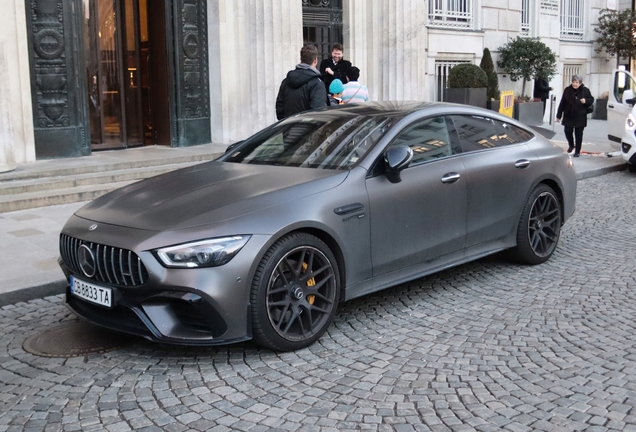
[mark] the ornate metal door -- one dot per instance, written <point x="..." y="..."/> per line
<point x="58" y="88"/>
<point x="322" y="24"/>
<point x="192" y="73"/>
<point x="63" y="85"/>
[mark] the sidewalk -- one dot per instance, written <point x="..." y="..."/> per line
<point x="29" y="238"/>
<point x="594" y="160"/>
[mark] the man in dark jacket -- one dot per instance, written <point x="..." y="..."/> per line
<point x="542" y="90"/>
<point x="302" y="89"/>
<point x="334" y="67"/>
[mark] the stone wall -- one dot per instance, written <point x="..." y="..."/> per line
<point x="252" y="46"/>
<point x="386" y="39"/>
<point x="16" y="117"/>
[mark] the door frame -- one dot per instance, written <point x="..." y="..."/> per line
<point x="59" y="88"/>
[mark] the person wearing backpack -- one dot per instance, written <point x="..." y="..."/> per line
<point x="576" y="104"/>
<point x="302" y="89"/>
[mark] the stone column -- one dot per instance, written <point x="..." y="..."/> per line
<point x="252" y="46"/>
<point x="16" y="117"/>
<point x="386" y="39"/>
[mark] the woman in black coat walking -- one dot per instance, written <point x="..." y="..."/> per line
<point x="573" y="110"/>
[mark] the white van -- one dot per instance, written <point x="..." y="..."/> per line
<point x="621" y="115"/>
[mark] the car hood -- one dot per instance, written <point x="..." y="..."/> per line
<point x="207" y="193"/>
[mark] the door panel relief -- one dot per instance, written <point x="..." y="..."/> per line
<point x="60" y="127"/>
<point x="191" y="51"/>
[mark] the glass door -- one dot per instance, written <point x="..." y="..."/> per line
<point x="114" y="35"/>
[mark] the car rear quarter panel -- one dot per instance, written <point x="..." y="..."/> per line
<point x="557" y="170"/>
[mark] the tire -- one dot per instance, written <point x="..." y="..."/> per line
<point x="539" y="227"/>
<point x="631" y="168"/>
<point x="295" y="293"/>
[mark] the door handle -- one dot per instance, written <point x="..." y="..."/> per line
<point x="610" y="106"/>
<point x="450" y="177"/>
<point x="522" y="163"/>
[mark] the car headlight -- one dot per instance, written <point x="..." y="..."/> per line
<point x="630" y="123"/>
<point x="205" y="253"/>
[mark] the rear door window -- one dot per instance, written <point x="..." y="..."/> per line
<point x="480" y="133"/>
<point x="511" y="134"/>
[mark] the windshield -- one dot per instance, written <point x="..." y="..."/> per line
<point x="323" y="142"/>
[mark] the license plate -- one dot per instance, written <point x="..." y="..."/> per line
<point x="92" y="293"/>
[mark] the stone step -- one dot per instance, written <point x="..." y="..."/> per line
<point x="44" y="198"/>
<point x="83" y="165"/>
<point x="70" y="185"/>
<point x="68" y="180"/>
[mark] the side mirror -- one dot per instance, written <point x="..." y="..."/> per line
<point x="627" y="95"/>
<point x="233" y="146"/>
<point x="395" y="160"/>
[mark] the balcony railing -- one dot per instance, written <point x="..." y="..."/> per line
<point x="451" y="13"/>
<point x="572" y="20"/>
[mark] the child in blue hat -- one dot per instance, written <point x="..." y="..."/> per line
<point x="335" y="91"/>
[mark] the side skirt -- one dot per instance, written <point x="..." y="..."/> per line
<point x="417" y="271"/>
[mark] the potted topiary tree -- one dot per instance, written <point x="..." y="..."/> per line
<point x="467" y="85"/>
<point x="492" y="92"/>
<point x="525" y="58"/>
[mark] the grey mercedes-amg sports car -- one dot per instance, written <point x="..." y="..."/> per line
<point x="316" y="209"/>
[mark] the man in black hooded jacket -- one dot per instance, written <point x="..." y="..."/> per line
<point x="302" y="89"/>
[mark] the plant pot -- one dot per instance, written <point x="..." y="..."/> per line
<point x="600" y="109"/>
<point x="530" y="113"/>
<point x="493" y="105"/>
<point x="467" y="96"/>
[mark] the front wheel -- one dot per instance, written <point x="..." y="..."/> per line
<point x="295" y="293"/>
<point x="539" y="227"/>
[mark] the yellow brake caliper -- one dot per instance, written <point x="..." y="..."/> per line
<point x="311" y="282"/>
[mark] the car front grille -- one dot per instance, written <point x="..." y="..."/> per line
<point x="112" y="265"/>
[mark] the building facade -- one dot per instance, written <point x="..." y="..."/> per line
<point x="83" y="75"/>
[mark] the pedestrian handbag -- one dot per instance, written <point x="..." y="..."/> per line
<point x="590" y="109"/>
<point x="354" y="95"/>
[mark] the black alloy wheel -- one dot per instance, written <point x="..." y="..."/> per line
<point x="539" y="228"/>
<point x="295" y="293"/>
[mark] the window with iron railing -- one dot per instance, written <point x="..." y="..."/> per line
<point x="525" y="17"/>
<point x="568" y="71"/>
<point x="442" y="69"/>
<point x="451" y="13"/>
<point x="572" y="19"/>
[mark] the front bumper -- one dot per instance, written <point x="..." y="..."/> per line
<point x="176" y="317"/>
<point x="628" y="151"/>
<point x="204" y="306"/>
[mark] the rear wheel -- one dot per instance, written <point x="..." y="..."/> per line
<point x="539" y="227"/>
<point x="295" y="293"/>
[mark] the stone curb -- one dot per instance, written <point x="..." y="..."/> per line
<point x="34" y="292"/>
<point x="601" y="171"/>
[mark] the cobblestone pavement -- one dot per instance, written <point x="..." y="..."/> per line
<point x="485" y="346"/>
